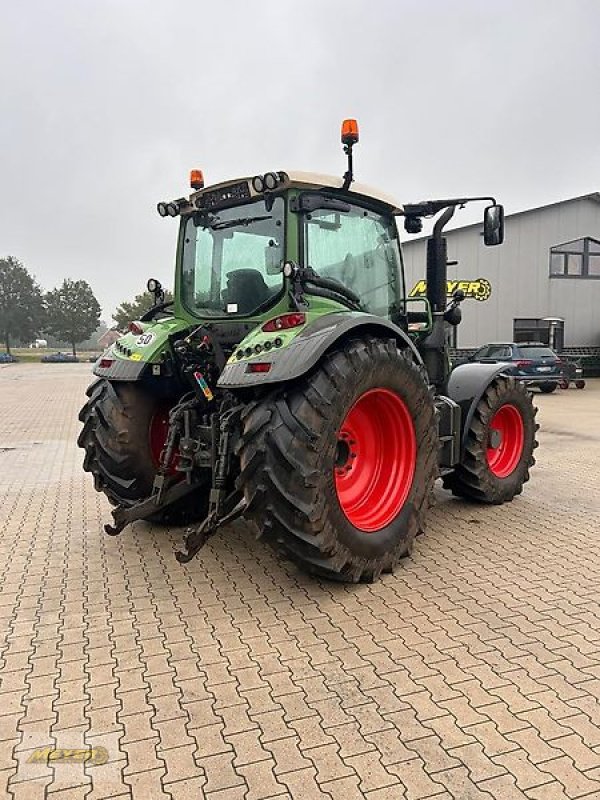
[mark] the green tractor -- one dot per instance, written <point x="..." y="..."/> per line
<point x="292" y="381"/>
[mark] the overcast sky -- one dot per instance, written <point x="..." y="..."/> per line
<point x="107" y="104"/>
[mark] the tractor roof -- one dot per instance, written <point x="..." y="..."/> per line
<point x="314" y="180"/>
<point x="306" y="180"/>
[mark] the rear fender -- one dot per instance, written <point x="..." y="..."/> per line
<point x="305" y="349"/>
<point x="136" y="355"/>
<point x="466" y="386"/>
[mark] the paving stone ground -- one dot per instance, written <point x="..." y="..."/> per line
<point x="473" y="672"/>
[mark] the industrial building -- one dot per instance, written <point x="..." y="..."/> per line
<point x="542" y="284"/>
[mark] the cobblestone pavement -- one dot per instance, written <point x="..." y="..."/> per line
<point x="474" y="671"/>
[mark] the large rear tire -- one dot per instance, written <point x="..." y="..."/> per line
<point x="499" y="447"/>
<point x="124" y="428"/>
<point x="338" y="469"/>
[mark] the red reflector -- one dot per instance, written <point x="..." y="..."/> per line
<point x="135" y="327"/>
<point x="105" y="363"/>
<point x="259" y="366"/>
<point x="284" y="322"/>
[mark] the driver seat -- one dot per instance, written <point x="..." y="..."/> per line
<point x="246" y="288"/>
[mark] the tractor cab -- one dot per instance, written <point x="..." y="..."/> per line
<point x="238" y="239"/>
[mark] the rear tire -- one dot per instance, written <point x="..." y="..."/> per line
<point x="301" y="446"/>
<point x="499" y="447"/>
<point x="548" y="388"/>
<point x="117" y="422"/>
<point x="580" y="384"/>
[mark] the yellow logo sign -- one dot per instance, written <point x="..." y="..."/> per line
<point x="479" y="289"/>
<point x="89" y="755"/>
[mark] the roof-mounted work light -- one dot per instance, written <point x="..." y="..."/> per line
<point x="258" y="183"/>
<point x="171" y="209"/>
<point x="271" y="181"/>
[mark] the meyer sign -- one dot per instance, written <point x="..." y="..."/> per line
<point x="479" y="289"/>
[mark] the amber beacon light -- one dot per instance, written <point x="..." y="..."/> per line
<point x="196" y="179"/>
<point x="349" y="131"/>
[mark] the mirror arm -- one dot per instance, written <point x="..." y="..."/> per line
<point x="428" y="208"/>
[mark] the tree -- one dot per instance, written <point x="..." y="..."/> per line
<point x="128" y="312"/>
<point x="21" y="304"/>
<point x="72" y="312"/>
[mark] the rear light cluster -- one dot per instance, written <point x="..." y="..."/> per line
<point x="524" y="362"/>
<point x="284" y="322"/>
<point x="259" y="366"/>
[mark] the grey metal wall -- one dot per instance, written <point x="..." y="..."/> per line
<point x="518" y="271"/>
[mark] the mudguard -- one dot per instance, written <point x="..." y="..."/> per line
<point x="135" y="355"/>
<point x="466" y="386"/>
<point x="305" y="349"/>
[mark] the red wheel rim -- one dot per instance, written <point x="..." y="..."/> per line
<point x="375" y="459"/>
<point x="159" y="428"/>
<point x="506" y="441"/>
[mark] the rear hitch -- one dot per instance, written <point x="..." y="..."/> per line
<point x="232" y="507"/>
<point x="223" y="507"/>
<point x="124" y="515"/>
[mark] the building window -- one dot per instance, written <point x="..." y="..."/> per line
<point x="577" y="259"/>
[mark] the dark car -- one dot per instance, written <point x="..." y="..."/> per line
<point x="59" y="358"/>
<point x="533" y="363"/>
<point x="7" y="358"/>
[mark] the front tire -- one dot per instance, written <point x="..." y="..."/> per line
<point x="499" y="447"/>
<point x="124" y="427"/>
<point x="338" y="470"/>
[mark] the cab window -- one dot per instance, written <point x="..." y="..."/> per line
<point x="360" y="249"/>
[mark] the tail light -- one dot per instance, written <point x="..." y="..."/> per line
<point x="284" y="322"/>
<point x="523" y="363"/>
<point x="259" y="366"/>
<point x="135" y="327"/>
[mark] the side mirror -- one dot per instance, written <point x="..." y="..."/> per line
<point x="493" y="225"/>
<point x="154" y="286"/>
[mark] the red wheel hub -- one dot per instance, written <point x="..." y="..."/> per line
<point x="375" y="459"/>
<point x="159" y="428"/>
<point x="506" y="441"/>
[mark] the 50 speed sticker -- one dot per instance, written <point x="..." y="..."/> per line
<point x="145" y="339"/>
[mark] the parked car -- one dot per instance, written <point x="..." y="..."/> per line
<point x="59" y="358"/>
<point x="533" y="363"/>
<point x="7" y="358"/>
